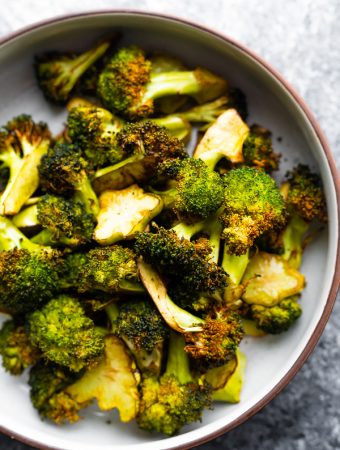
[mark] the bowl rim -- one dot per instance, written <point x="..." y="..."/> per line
<point x="335" y="177"/>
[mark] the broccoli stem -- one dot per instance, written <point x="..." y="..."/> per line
<point x="86" y="194"/>
<point x="45" y="237"/>
<point x="292" y="238"/>
<point x="177" y="318"/>
<point x="186" y="231"/>
<point x="26" y="218"/>
<point x="168" y="197"/>
<point x="115" y="167"/>
<point x="235" y="265"/>
<point x="176" y="125"/>
<point x="211" y="158"/>
<point x="112" y="312"/>
<point x="13" y="162"/>
<point x="178" y="360"/>
<point x="207" y="112"/>
<point x="11" y="238"/>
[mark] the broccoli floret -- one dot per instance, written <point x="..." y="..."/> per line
<point x="30" y="274"/>
<point x="198" y="192"/>
<point x="148" y="145"/>
<point x="211" y="341"/>
<point x="65" y="221"/>
<point x="73" y="170"/>
<point x="94" y="130"/>
<point x="252" y="205"/>
<point x="258" y="150"/>
<point x="176" y="398"/>
<point x="48" y="382"/>
<point x="128" y="86"/>
<point x="189" y="262"/>
<point x="15" y="348"/>
<point x="278" y="318"/>
<point x="224" y="139"/>
<point x="65" y="335"/>
<point x="109" y="269"/>
<point x="58" y="73"/>
<point x="22" y="146"/>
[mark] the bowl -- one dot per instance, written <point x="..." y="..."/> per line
<point x="273" y="360"/>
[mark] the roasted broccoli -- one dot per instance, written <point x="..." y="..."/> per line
<point x="73" y="170"/>
<point x="176" y="398"/>
<point x="58" y="73"/>
<point x="64" y="334"/>
<point x="22" y="146"/>
<point x="30" y="274"/>
<point x="128" y="86"/>
<point x="15" y="348"/>
<point x="198" y="191"/>
<point x="258" y="150"/>
<point x="252" y="205"/>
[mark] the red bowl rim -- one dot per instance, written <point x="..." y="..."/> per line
<point x="336" y="179"/>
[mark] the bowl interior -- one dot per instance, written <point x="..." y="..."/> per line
<point x="269" y="358"/>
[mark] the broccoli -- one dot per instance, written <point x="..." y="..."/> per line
<point x="125" y="212"/>
<point x="107" y="269"/>
<point x="278" y="318"/>
<point x="211" y="341"/>
<point x="128" y="86"/>
<point x="176" y="398"/>
<point x="198" y="191"/>
<point x="58" y="73"/>
<point x="269" y="278"/>
<point x="148" y="145"/>
<point x="93" y="130"/>
<point x="64" y="334"/>
<point x="176" y="125"/>
<point x="224" y="139"/>
<point x="65" y="221"/>
<point x="252" y="205"/>
<point x="73" y="175"/>
<point x="48" y="382"/>
<point x="15" y="348"/>
<point x="30" y="274"/>
<point x="258" y="150"/>
<point x="139" y="324"/>
<point x="235" y="266"/>
<point x="175" y="256"/>
<point x="22" y="146"/>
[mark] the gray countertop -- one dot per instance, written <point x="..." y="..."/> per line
<point x="301" y="38"/>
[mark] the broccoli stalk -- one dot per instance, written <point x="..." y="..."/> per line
<point x="235" y="266"/>
<point x="176" y="398"/>
<point x="21" y="150"/>
<point x="57" y="74"/>
<point x="128" y="85"/>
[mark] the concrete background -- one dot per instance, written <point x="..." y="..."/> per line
<point x="301" y="38"/>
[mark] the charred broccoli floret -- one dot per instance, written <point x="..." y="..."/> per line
<point x="58" y="73"/>
<point x="252" y="205"/>
<point x="258" y="150"/>
<point x="176" y="398"/>
<point x="107" y="269"/>
<point x="15" y="348"/>
<point x="211" y="341"/>
<point x="48" y="382"/>
<point x="22" y="146"/>
<point x="278" y="318"/>
<point x="128" y="86"/>
<point x="148" y="145"/>
<point x="64" y="334"/>
<point x="30" y="274"/>
<point x="73" y="170"/>
<point x="65" y="221"/>
<point x="94" y="130"/>
<point x="198" y="192"/>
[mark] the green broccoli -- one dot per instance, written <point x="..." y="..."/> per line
<point x="278" y="318"/>
<point x="128" y="86"/>
<point x="15" y="348"/>
<point x="252" y="205"/>
<point x="22" y="146"/>
<point x="148" y="145"/>
<point x="211" y="341"/>
<point x="58" y="73"/>
<point x="64" y="334"/>
<point x="30" y="274"/>
<point x="258" y="150"/>
<point x="176" y="398"/>
<point x="65" y="221"/>
<point x="73" y="175"/>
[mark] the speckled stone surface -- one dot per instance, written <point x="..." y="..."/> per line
<point x="301" y="38"/>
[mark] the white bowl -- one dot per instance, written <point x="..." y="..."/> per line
<point x="273" y="360"/>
